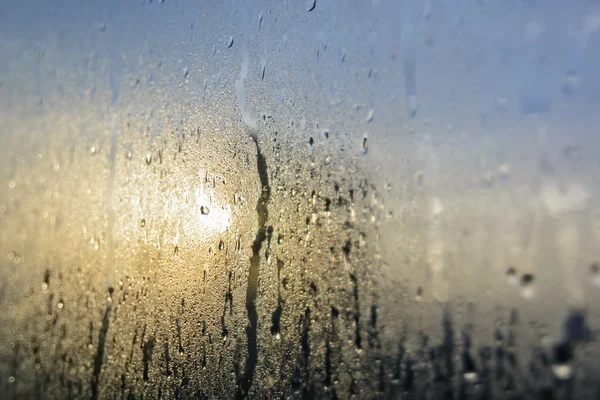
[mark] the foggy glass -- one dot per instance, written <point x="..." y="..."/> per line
<point x="299" y="199"/>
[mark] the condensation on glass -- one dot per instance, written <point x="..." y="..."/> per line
<point x="299" y="199"/>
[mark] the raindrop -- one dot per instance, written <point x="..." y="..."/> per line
<point x="310" y="5"/>
<point x="11" y="379"/>
<point x="263" y="67"/>
<point x="595" y="273"/>
<point x="261" y="15"/>
<point x="504" y="171"/>
<point x="12" y="184"/>
<point x="527" y="289"/>
<point x="185" y="72"/>
<point x="562" y="371"/>
<point x="148" y="158"/>
<point x="204" y="210"/>
<point x="511" y="276"/>
<point x="502" y="103"/>
<point x="369" y="116"/>
<point x="93" y="149"/>
<point x="129" y="155"/>
<point x="419" y="293"/>
<point x="365" y="146"/>
<point x="470" y="376"/>
<point x="527" y="279"/>
<point x="230" y="42"/>
<point x="570" y="83"/>
<point x="143" y="222"/>
<point x="221" y="245"/>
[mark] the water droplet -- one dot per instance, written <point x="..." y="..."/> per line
<point x="143" y="222"/>
<point x="261" y="15"/>
<point x="595" y="273"/>
<point x="204" y="210"/>
<point x="12" y="184"/>
<point x="527" y="286"/>
<point x="533" y="31"/>
<point x="11" y="379"/>
<point x="185" y="72"/>
<point x="369" y="116"/>
<point x="504" y="171"/>
<point x="419" y="294"/>
<point x="148" y="158"/>
<point x="511" y="276"/>
<point x="230" y="42"/>
<point x="502" y="103"/>
<point x="310" y="5"/>
<point x="365" y="146"/>
<point x="129" y="155"/>
<point x="93" y="149"/>
<point x="570" y="83"/>
<point x="221" y="245"/>
<point x="412" y="105"/>
<point x="471" y="376"/>
<point x="263" y="67"/>
<point x="562" y="371"/>
<point x="60" y="305"/>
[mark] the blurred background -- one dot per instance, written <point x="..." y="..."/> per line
<point x="299" y="199"/>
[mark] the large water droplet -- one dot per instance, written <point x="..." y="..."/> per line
<point x="527" y="286"/>
<point x="471" y="376"/>
<point x="562" y="371"/>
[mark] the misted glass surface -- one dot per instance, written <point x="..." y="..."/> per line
<point x="299" y="199"/>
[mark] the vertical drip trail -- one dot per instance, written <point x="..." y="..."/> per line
<point x="240" y="91"/>
<point x="253" y="276"/>
<point x="110" y="259"/>
<point x="115" y="72"/>
<point x="99" y="358"/>
<point x="409" y="64"/>
<point x="114" y="78"/>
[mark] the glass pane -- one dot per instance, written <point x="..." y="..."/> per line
<point x="299" y="199"/>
